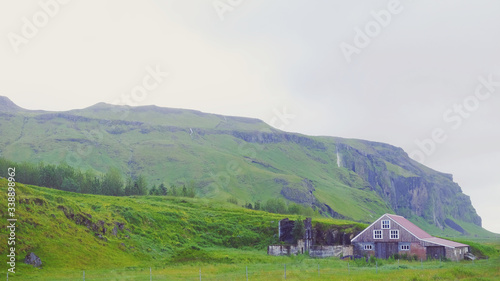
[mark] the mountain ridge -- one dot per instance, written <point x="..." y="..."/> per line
<point x="239" y="156"/>
<point x="8" y="106"/>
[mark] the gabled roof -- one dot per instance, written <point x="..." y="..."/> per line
<point x="410" y="227"/>
<point x="444" y="242"/>
<point x="415" y="231"/>
<point x="352" y="240"/>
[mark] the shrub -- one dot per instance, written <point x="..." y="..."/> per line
<point x="373" y="259"/>
<point x="298" y="230"/>
<point x="232" y="200"/>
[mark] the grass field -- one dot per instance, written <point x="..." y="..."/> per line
<point x="177" y="237"/>
<point x="297" y="268"/>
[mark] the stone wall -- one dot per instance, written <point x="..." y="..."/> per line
<point x="314" y="251"/>
<point x="325" y="251"/>
<point x="319" y="241"/>
<point x="347" y="250"/>
<point x="285" y="230"/>
<point x="279" y="250"/>
<point x="456" y="254"/>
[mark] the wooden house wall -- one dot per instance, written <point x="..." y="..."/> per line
<point x="404" y="236"/>
<point x="417" y="247"/>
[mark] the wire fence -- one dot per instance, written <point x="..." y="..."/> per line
<point x="308" y="270"/>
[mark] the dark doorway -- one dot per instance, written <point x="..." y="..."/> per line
<point x="436" y="252"/>
<point x="385" y="250"/>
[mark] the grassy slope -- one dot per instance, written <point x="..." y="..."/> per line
<point x="178" y="157"/>
<point x="158" y="230"/>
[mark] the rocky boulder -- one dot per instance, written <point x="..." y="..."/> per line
<point x="33" y="259"/>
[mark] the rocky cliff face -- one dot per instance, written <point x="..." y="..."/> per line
<point x="410" y="188"/>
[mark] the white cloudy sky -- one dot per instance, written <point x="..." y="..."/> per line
<point x="278" y="56"/>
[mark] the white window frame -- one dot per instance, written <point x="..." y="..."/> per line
<point x="376" y="232"/>
<point x="368" y="247"/>
<point x="394" y="232"/>
<point x="388" y="224"/>
<point x="405" y="247"/>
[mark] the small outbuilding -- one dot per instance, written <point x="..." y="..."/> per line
<point x="312" y="242"/>
<point x="393" y="234"/>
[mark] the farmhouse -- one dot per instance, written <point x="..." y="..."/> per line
<point x="392" y="234"/>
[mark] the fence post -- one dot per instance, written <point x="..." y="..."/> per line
<point x="84" y="275"/>
<point x="200" y="273"/>
<point x="150" y="274"/>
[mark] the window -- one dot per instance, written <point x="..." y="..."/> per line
<point x="386" y="224"/>
<point x="395" y="234"/>
<point x="377" y="234"/>
<point x="368" y="247"/>
<point x="405" y="247"/>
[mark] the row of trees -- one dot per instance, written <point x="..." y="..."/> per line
<point x="277" y="206"/>
<point x="183" y="191"/>
<point x="65" y="177"/>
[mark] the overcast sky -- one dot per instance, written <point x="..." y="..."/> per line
<point x="389" y="71"/>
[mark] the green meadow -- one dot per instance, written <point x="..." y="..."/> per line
<point x="177" y="238"/>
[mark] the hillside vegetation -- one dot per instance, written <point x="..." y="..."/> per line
<point x="233" y="157"/>
<point x="109" y="232"/>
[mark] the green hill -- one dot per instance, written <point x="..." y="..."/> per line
<point x="240" y="157"/>
<point x="76" y="231"/>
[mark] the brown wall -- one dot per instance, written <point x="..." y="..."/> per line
<point x="416" y="249"/>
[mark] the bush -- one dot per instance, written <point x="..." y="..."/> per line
<point x="298" y="230"/>
<point x="373" y="260"/>
<point x="361" y="262"/>
<point x="276" y="205"/>
<point x="232" y="200"/>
